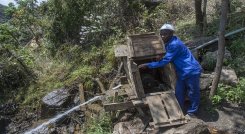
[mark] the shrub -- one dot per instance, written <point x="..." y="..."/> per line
<point x="233" y="94"/>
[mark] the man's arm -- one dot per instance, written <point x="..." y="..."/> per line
<point x="170" y="55"/>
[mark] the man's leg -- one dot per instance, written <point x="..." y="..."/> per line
<point x="193" y="89"/>
<point x="180" y="92"/>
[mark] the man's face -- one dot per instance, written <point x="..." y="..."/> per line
<point x="166" y="35"/>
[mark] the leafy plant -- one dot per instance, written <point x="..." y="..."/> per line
<point x="216" y="99"/>
<point x="101" y="125"/>
<point x="234" y="94"/>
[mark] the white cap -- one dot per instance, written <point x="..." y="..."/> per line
<point x="167" y="26"/>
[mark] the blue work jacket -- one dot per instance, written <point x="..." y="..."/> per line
<point x="177" y="53"/>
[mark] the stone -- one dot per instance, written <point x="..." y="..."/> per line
<point x="54" y="101"/>
<point x="195" y="126"/>
<point x="56" y="98"/>
<point x="130" y="127"/>
<point x="205" y="81"/>
<point x="209" y="60"/>
<point x="228" y="76"/>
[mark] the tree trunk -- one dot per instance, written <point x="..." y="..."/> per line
<point x="199" y="14"/>
<point x="204" y="17"/>
<point x="221" y="47"/>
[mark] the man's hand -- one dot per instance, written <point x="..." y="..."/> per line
<point x="142" y="66"/>
<point x="159" y="57"/>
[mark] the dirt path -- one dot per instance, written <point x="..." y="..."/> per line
<point x="227" y="116"/>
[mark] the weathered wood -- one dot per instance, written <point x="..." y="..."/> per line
<point x="121" y="50"/>
<point x="145" y="34"/>
<point x="130" y="92"/>
<point x="117" y="75"/>
<point x="144" y="45"/>
<point x="123" y="105"/>
<point x="115" y="96"/>
<point x="118" y="106"/>
<point x="137" y="102"/>
<point x="164" y="109"/>
<point x="140" y="111"/>
<point x="157" y="109"/>
<point x="157" y="125"/>
<point x="102" y="88"/>
<point x="131" y="78"/>
<point x="137" y="81"/>
<point x="172" y="106"/>
<point x="81" y="96"/>
<point x="169" y="75"/>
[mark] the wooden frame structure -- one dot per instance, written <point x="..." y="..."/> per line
<point x="165" y="110"/>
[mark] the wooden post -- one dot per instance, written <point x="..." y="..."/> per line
<point x="81" y="96"/>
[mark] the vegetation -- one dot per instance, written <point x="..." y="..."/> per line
<point x="101" y="125"/>
<point x="229" y="93"/>
<point x="236" y="93"/>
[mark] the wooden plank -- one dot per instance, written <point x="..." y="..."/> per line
<point x="173" y="109"/>
<point x="145" y="45"/>
<point x="123" y="105"/>
<point x="157" y="109"/>
<point x="137" y="102"/>
<point x="118" y="106"/>
<point x="121" y="50"/>
<point x="131" y="77"/>
<point x="168" y="124"/>
<point x="138" y="83"/>
<point x="81" y="96"/>
<point x="128" y="88"/>
<point x="145" y="34"/>
<point x="169" y="75"/>
<point x="130" y="47"/>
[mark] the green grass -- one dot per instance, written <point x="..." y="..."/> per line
<point x="101" y="125"/>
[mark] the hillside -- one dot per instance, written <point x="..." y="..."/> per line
<point x="56" y="55"/>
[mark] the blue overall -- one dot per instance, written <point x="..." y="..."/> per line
<point x="188" y="72"/>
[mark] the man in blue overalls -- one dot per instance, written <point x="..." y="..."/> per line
<point x="187" y="68"/>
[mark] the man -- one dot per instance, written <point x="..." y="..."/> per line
<point x="187" y="68"/>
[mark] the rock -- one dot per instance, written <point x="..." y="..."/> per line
<point x="130" y="127"/>
<point x="210" y="58"/>
<point x="195" y="126"/>
<point x="54" y="101"/>
<point x="228" y="76"/>
<point x="205" y="81"/>
<point x="56" y="98"/>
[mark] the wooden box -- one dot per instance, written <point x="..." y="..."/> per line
<point x="143" y="45"/>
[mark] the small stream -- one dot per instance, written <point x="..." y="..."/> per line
<point x="45" y="126"/>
